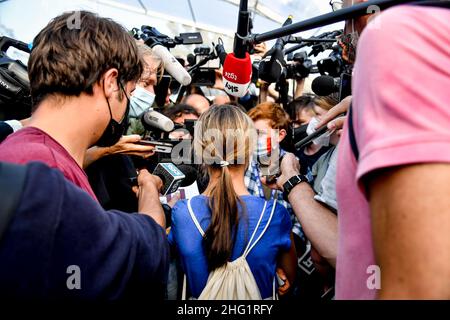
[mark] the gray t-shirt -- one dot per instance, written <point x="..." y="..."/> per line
<point x="324" y="172"/>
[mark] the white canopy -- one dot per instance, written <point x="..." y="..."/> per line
<point x="22" y="19"/>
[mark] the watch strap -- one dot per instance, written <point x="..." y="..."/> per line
<point x="292" y="182"/>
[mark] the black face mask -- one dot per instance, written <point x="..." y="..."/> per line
<point x="115" y="130"/>
<point x="300" y="133"/>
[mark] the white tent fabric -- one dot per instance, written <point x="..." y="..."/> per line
<point x="22" y="19"/>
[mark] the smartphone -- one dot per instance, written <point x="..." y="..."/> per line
<point x="160" y="147"/>
<point x="345" y="89"/>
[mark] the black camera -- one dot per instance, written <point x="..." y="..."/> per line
<point x="15" y="98"/>
<point x="202" y="51"/>
<point x="334" y="65"/>
<point x="301" y="67"/>
<point x="152" y="36"/>
<point x="207" y="57"/>
<point x="166" y="142"/>
<point x="204" y="64"/>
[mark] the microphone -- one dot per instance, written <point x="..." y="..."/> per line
<point x="171" y="64"/>
<point x="190" y="174"/>
<point x="190" y="59"/>
<point x="170" y="175"/>
<point x="273" y="66"/>
<point x="325" y="85"/>
<point x="237" y="67"/>
<point x="154" y="120"/>
<point x="281" y="42"/>
<point x="221" y="53"/>
<point x="237" y="75"/>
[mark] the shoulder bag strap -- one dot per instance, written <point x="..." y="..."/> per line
<point x="12" y="180"/>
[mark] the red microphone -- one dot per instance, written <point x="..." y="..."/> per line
<point x="237" y="68"/>
<point x="237" y="74"/>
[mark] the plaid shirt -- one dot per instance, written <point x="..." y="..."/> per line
<point x="254" y="186"/>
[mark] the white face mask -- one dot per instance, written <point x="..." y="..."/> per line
<point x="140" y="102"/>
<point x="267" y="152"/>
<point x="324" y="139"/>
<point x="253" y="90"/>
<point x="263" y="149"/>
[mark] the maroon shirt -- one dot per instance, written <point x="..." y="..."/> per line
<point x="33" y="144"/>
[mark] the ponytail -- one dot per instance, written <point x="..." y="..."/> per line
<point x="224" y="137"/>
<point x="221" y="233"/>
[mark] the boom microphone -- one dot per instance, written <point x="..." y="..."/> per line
<point x="171" y="64"/>
<point x="154" y="120"/>
<point x="237" y="68"/>
<point x="325" y="85"/>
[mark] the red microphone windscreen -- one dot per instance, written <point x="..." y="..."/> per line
<point x="237" y="74"/>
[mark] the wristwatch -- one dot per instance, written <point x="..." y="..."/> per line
<point x="292" y="182"/>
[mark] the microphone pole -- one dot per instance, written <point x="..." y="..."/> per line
<point x="357" y="10"/>
<point x="310" y="40"/>
<point x="237" y="67"/>
<point x="240" y="47"/>
<point x="322" y="38"/>
<point x="283" y="86"/>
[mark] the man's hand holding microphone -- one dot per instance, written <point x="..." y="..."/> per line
<point x="289" y="167"/>
<point x="148" y="191"/>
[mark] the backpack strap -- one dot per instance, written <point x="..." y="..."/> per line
<point x="197" y="224"/>
<point x="183" y="295"/>
<point x="254" y="231"/>
<point x="12" y="180"/>
<point x="250" y="246"/>
<point x="351" y="134"/>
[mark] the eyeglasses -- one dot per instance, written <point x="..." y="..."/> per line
<point x="336" y="4"/>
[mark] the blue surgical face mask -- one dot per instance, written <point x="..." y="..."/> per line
<point x="141" y="101"/>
